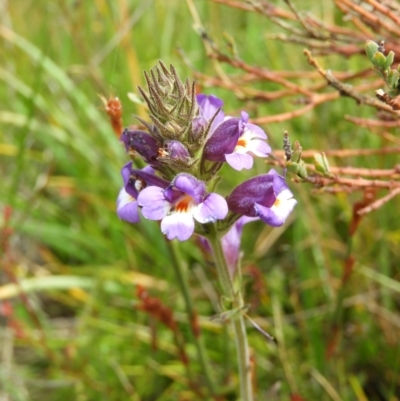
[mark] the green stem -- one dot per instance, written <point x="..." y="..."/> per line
<point x="183" y="283"/>
<point x="238" y="324"/>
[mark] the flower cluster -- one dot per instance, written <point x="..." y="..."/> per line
<point x="184" y="147"/>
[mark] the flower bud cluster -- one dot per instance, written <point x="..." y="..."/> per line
<point x="382" y="65"/>
<point x="184" y="146"/>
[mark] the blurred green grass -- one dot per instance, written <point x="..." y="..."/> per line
<point x="60" y="166"/>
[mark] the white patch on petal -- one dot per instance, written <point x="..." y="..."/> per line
<point x="243" y="142"/>
<point x="284" y="204"/>
<point x="139" y="184"/>
<point x="284" y="195"/>
<point x="249" y="142"/>
<point x="124" y="198"/>
<point x="178" y="225"/>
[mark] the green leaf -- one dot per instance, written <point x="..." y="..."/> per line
<point x="321" y="163"/>
<point x="379" y="60"/>
<point x="371" y="48"/>
<point x="380" y="278"/>
<point x="52" y="283"/>
<point x="389" y="59"/>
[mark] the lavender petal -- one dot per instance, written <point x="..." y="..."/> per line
<point x="154" y="205"/>
<point x="126" y="172"/>
<point x="268" y="216"/>
<point x="279" y="212"/>
<point x="127" y="207"/>
<point x="279" y="182"/>
<point x="214" y="207"/>
<point x="259" y="148"/>
<point x="190" y="185"/>
<point x="209" y="106"/>
<point x="239" y="161"/>
<point x="178" y="225"/>
<point x="256" y="131"/>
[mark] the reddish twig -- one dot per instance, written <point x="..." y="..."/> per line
<point x="344" y="152"/>
<point x="373" y="19"/>
<point x="154" y="307"/>
<point x="347" y="90"/>
<point x="373" y="123"/>
<point x="380" y="202"/>
<point x="113" y="108"/>
<point x="384" y="10"/>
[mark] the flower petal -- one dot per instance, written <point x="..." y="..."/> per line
<point x="209" y="106"/>
<point x="256" y="131"/>
<point x="244" y="116"/>
<point x="256" y="190"/>
<point x="258" y="148"/>
<point x="135" y="180"/>
<point x="214" y="207"/>
<point x="239" y="161"/>
<point x="279" y="182"/>
<point x="126" y="172"/>
<point x="223" y="140"/>
<point x="190" y="185"/>
<point x="127" y="207"/>
<point x="268" y="216"/>
<point x="150" y="179"/>
<point x="277" y="214"/>
<point x="178" y="225"/>
<point x="154" y="205"/>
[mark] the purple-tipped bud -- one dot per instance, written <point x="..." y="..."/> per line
<point x="176" y="150"/>
<point x="223" y="140"/>
<point x="141" y="142"/>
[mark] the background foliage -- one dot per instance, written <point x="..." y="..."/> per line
<point x="70" y="320"/>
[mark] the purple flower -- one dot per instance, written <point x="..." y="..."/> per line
<point x="266" y="196"/>
<point x="134" y="182"/>
<point x="236" y="141"/>
<point x="250" y="143"/>
<point x="142" y="142"/>
<point x="184" y="201"/>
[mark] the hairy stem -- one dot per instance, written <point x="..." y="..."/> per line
<point x="238" y="324"/>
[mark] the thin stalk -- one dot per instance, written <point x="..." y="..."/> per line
<point x="183" y="283"/>
<point x="238" y="324"/>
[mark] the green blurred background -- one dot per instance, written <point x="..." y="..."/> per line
<point x="77" y="334"/>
